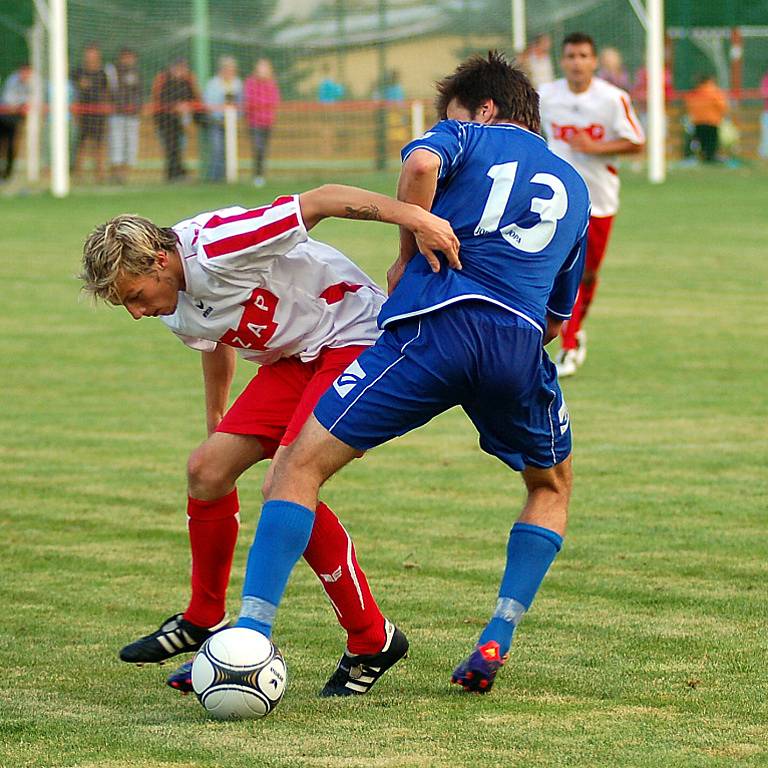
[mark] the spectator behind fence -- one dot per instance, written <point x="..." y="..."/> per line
<point x="706" y="106"/>
<point x="175" y="99"/>
<point x="763" y="150"/>
<point x="536" y="61"/>
<point x="93" y="104"/>
<point x="639" y="91"/>
<point x="225" y="87"/>
<point x="390" y="88"/>
<point x="612" y="68"/>
<point x="329" y="90"/>
<point x="261" y="97"/>
<point x="125" y="87"/>
<point x="13" y="105"/>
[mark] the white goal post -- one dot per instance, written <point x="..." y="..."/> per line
<point x="53" y="15"/>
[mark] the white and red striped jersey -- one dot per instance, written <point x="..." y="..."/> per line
<point x="603" y="110"/>
<point x="256" y="281"/>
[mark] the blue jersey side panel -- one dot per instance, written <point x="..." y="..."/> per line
<point x="520" y="214"/>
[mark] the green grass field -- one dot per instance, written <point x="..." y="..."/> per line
<point x="647" y="644"/>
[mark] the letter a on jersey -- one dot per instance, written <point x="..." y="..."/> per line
<point x="348" y="380"/>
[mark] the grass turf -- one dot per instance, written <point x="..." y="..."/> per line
<point x="646" y="645"/>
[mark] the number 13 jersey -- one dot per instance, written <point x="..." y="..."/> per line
<point x="256" y="281"/>
<point x="520" y="213"/>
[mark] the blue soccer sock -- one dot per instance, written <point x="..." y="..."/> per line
<point x="281" y="538"/>
<point x="530" y="551"/>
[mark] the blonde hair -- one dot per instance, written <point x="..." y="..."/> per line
<point x="125" y="245"/>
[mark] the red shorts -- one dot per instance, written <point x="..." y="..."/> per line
<point x="597" y="241"/>
<point x="282" y="395"/>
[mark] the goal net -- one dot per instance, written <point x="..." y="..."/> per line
<point x="355" y="77"/>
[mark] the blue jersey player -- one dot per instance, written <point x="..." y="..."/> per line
<point x="470" y="334"/>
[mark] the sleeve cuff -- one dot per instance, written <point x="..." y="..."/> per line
<point x="429" y="149"/>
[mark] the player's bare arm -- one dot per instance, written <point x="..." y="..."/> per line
<point x="554" y="325"/>
<point x="583" y="142"/>
<point x="218" y="371"/>
<point x="417" y="185"/>
<point x="430" y="232"/>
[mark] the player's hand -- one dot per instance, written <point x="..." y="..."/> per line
<point x="435" y="234"/>
<point x="581" y="141"/>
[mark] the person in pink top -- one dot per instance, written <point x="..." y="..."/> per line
<point x="261" y="97"/>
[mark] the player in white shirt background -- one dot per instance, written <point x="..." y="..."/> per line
<point x="588" y="122"/>
<point x="255" y="282"/>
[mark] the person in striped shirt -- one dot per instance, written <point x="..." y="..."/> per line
<point x="252" y="281"/>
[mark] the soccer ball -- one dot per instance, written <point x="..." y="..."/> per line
<point x="239" y="674"/>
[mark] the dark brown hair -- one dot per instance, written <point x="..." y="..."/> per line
<point x="478" y="79"/>
<point x="579" y="38"/>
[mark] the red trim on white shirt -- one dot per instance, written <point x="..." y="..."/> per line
<point x="236" y="243"/>
<point x="628" y="113"/>
<point x="333" y="294"/>
<point x="255" y="213"/>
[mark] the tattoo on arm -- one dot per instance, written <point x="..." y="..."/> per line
<point x="368" y="212"/>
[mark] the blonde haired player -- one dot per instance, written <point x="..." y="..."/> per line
<point x="252" y="280"/>
<point x="588" y="122"/>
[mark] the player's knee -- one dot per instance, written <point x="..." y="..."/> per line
<point x="556" y="481"/>
<point x="292" y="469"/>
<point x="204" y="477"/>
<point x="589" y="278"/>
<point x="564" y="482"/>
<point x="197" y="470"/>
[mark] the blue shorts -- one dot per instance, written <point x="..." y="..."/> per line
<point x="473" y="354"/>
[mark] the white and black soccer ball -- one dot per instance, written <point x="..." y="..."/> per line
<point x="239" y="674"/>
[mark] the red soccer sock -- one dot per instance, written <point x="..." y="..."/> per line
<point x="573" y="324"/>
<point x="580" y="308"/>
<point x="331" y="555"/>
<point x="587" y="294"/>
<point x="213" y="527"/>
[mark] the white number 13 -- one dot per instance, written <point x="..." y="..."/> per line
<point x="529" y="239"/>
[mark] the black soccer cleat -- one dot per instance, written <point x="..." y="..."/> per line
<point x="356" y="675"/>
<point x="175" y="635"/>
<point x="478" y="671"/>
<point x="181" y="679"/>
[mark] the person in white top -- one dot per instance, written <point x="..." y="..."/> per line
<point x="536" y="61"/>
<point x="588" y="122"/>
<point x="252" y="280"/>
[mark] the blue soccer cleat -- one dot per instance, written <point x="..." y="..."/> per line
<point x="181" y="679"/>
<point x="478" y="671"/>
